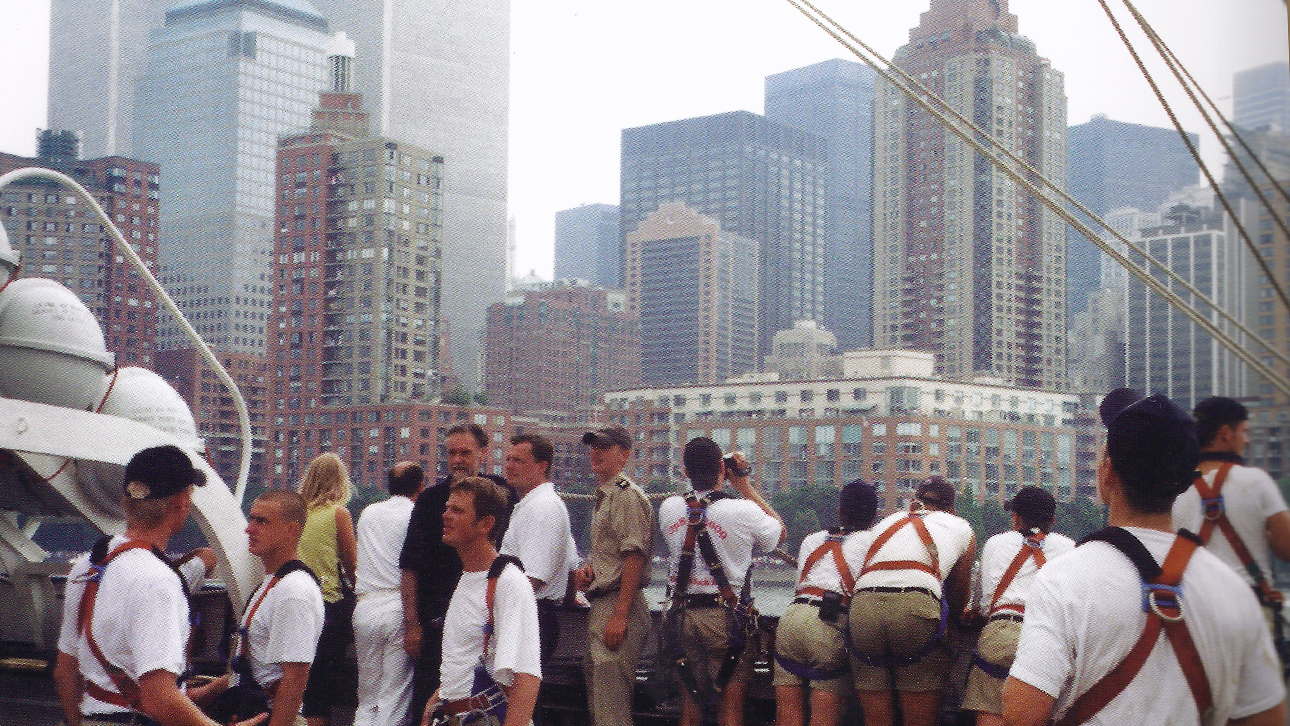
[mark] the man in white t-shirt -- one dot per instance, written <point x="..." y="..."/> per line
<point x="1085" y="610"/>
<point x="284" y="616"/>
<point x="139" y="620"/>
<point x="1251" y="501"/>
<point x="905" y="590"/>
<point x="538" y="533"/>
<point x="384" y="666"/>
<point x="1009" y="562"/>
<point x="738" y="529"/>
<point x="486" y="646"/>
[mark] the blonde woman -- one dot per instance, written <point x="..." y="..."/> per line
<point x="328" y="547"/>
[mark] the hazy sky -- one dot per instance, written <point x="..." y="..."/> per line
<point x="582" y="70"/>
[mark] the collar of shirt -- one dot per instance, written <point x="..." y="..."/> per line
<point x="544" y="486"/>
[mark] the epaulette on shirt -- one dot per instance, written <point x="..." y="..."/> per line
<point x="623" y="483"/>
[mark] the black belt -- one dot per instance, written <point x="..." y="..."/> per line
<point x="548" y="604"/>
<point x="807" y="601"/>
<point x="702" y="601"/>
<point x="601" y="592"/>
<point x="899" y="589"/>
<point x="125" y="717"/>
<point x="1014" y="617"/>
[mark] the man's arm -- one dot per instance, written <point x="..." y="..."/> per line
<point x="291" y="690"/>
<point x="743" y="485"/>
<point x="521" y="698"/>
<point x="1278" y="527"/>
<point x="411" y="626"/>
<point x="67" y="679"/>
<point x="1275" y="716"/>
<point x="958" y="585"/>
<point x="161" y="699"/>
<point x="630" y="582"/>
<point x="1025" y="705"/>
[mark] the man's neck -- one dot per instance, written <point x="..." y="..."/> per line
<point x="156" y="537"/>
<point x="523" y="488"/>
<point x="1208" y="466"/>
<point x="477" y="556"/>
<point x="1119" y="514"/>
<point x="275" y="561"/>
<point x="605" y="479"/>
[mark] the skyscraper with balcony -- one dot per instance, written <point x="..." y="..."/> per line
<point x="834" y="100"/>
<point x="968" y="265"/>
<point x="760" y="180"/>
<point x="221" y="81"/>
<point x="588" y="246"/>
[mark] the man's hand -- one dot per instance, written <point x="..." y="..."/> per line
<point x="254" y="720"/>
<point x="615" y="631"/>
<point x="207" y="556"/>
<point x="204" y="694"/>
<point x="741" y="484"/>
<point x="427" y="716"/>
<point x="583" y="577"/>
<point x="412" y="637"/>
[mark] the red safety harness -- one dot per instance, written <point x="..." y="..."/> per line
<point x="127" y="691"/>
<point x="1215" y="513"/>
<point x="493" y="695"/>
<point x="914" y="519"/>
<point x="1161" y="601"/>
<point x="832" y="545"/>
<point x="1031" y="546"/>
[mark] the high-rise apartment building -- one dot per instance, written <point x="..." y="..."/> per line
<point x="967" y="265"/>
<point x="221" y="80"/>
<point x="1164" y="351"/>
<point x="1270" y="408"/>
<point x="558" y="346"/>
<point x="59" y="237"/>
<point x="760" y="180"/>
<point x="437" y="75"/>
<point x="834" y="100"/>
<point x="1113" y="165"/>
<point x="1261" y="97"/>
<point x="588" y="245"/>
<point x="693" y="287"/>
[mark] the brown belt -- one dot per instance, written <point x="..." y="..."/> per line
<point x="478" y="702"/>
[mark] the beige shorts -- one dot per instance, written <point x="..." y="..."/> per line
<point x="897" y="624"/>
<point x="705" y="636"/>
<point x="804" y="638"/>
<point x="997" y="645"/>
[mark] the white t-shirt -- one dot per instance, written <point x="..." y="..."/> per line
<point x="1249" y="498"/>
<point x="286" y="626"/>
<point x="381" y="529"/>
<point x="824" y="574"/>
<point x="512" y="648"/>
<point x="950" y="533"/>
<point x="140" y="619"/>
<point x="738" y="529"/>
<point x="539" y="535"/>
<point x="1084" y="614"/>
<point x="998" y="554"/>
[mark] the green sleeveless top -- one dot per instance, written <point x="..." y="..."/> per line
<point x="318" y="549"/>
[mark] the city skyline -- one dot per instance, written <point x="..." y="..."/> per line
<point x="1216" y="40"/>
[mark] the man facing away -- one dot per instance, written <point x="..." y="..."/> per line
<point x="616" y="570"/>
<point x="1088" y="610"/>
<point x="916" y="573"/>
<point x="284" y="616"/>
<point x="490" y="639"/>
<point x="1246" y="498"/>
<point x="1009" y="562"/>
<point x="138" y="618"/>
<point x="429" y="567"/>
<point x="384" y="667"/>
<point x="739" y="528"/>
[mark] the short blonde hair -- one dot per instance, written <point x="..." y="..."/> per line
<point x="325" y="482"/>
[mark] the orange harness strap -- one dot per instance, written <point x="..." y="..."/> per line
<point x="1215" y="515"/>
<point x="127" y="691"/>
<point x="914" y="519"/>
<point x="1032" y="546"/>
<point x="1161" y="599"/>
<point x="832" y="545"/>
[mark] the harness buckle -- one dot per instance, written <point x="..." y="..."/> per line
<point x="1213" y="508"/>
<point x="1155" y="596"/>
<point x="696" y="516"/>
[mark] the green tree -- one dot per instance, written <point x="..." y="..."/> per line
<point x="805" y="510"/>
<point x="457" y="397"/>
<point x="481" y="398"/>
<point x="1079" y="518"/>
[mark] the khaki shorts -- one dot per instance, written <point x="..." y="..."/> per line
<point x="997" y="645"/>
<point x="898" y="624"/>
<point x="704" y="639"/>
<point x="804" y="638"/>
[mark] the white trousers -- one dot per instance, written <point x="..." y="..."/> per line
<point x="384" y="668"/>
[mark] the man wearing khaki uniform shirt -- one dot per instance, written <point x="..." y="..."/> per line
<point x="616" y="570"/>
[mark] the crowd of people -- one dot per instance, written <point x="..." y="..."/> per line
<point x="450" y="592"/>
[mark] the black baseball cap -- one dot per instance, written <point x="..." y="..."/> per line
<point x="1115" y="402"/>
<point x="1033" y="504"/>
<point x="609" y="436"/>
<point x="1154" y="440"/>
<point x="159" y="472"/>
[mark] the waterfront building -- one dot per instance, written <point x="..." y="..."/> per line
<point x="1114" y="165"/>
<point x="804" y="352"/>
<point x="1261" y="97"/>
<point x="556" y="347"/>
<point x="263" y="63"/>
<point x="968" y="265"/>
<point x="834" y="100"/>
<point x="887" y="418"/>
<point x="693" y="287"/>
<point x="760" y="180"/>
<point x="59" y="237"/>
<point x="588" y="245"/>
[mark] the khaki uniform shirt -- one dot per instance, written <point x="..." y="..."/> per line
<point x="621" y="523"/>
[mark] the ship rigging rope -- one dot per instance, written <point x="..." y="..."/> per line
<point x="1191" y="146"/>
<point x="969" y="133"/>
